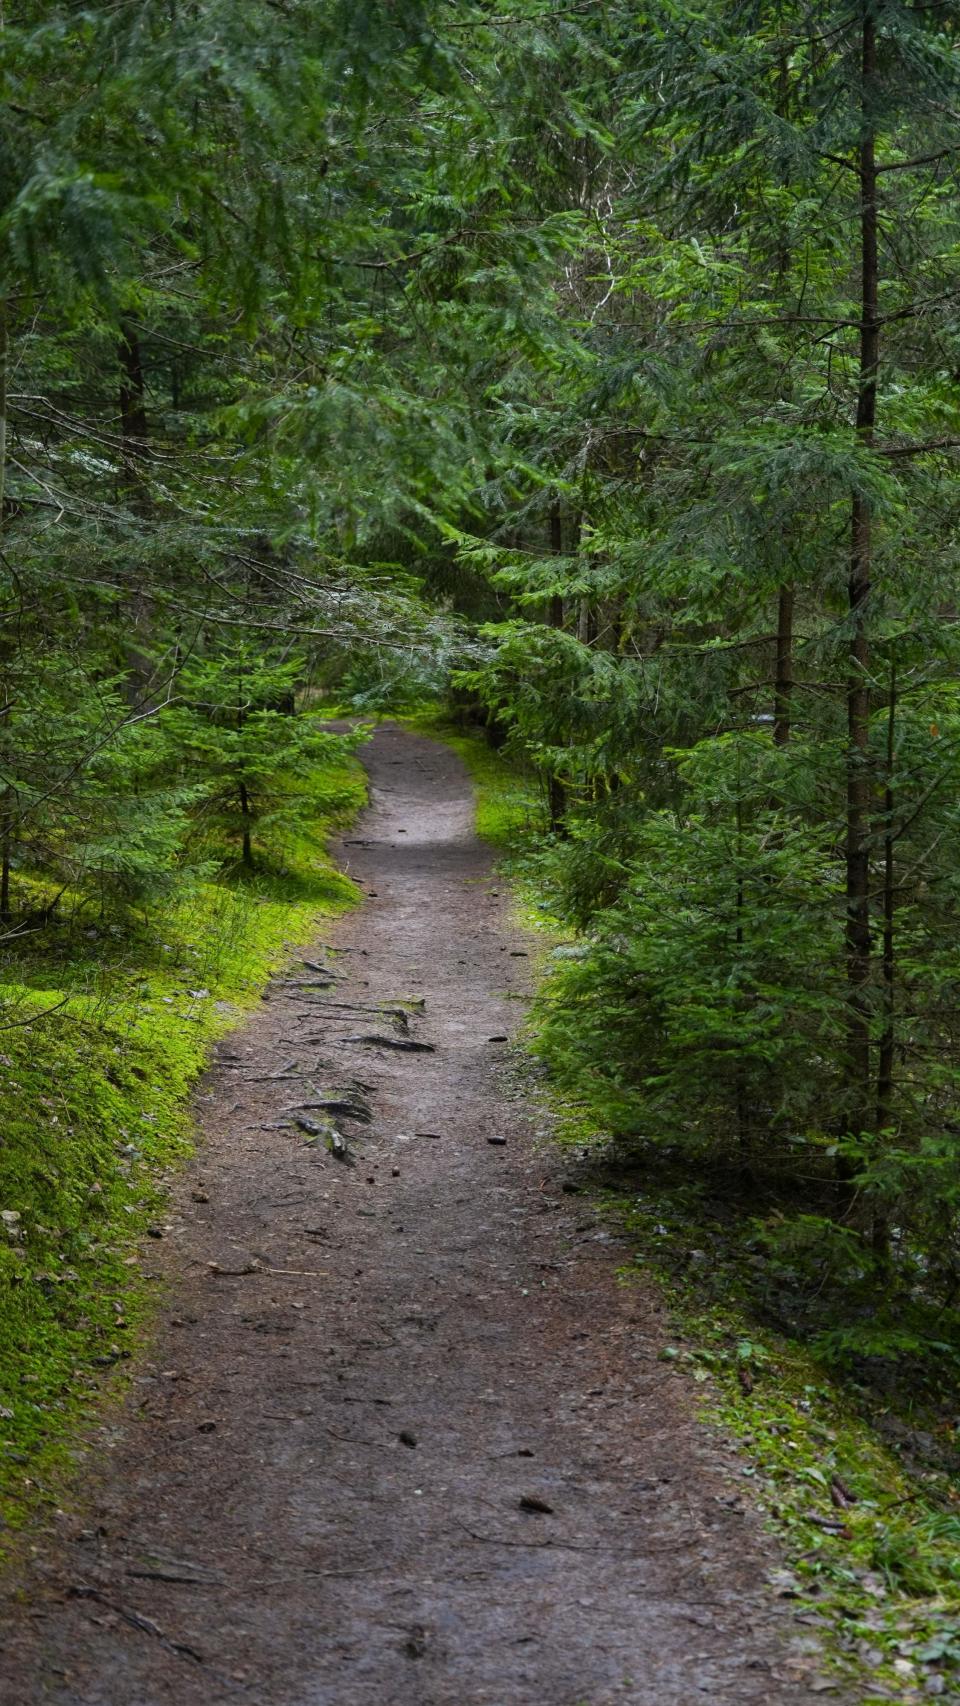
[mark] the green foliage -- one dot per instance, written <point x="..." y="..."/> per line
<point x="351" y="348"/>
<point x="862" y="1413"/>
<point x="869" y="1521"/>
<point x="246" y="757"/>
<point x="93" y="1105"/>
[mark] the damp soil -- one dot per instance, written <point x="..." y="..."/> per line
<point x="404" y="1438"/>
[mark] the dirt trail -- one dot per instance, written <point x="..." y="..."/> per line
<point x="314" y="1495"/>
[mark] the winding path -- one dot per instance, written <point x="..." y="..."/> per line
<point x="403" y="1440"/>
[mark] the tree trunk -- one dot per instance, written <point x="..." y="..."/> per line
<point x="556" y="792"/>
<point x="783" y="671"/>
<point x="4" y="380"/>
<point x="134" y="428"/>
<point x="783" y="676"/>
<point x="133" y="399"/>
<point x="859" y="1113"/>
<point x="5" y="913"/>
<point x="740" y="1077"/>
<point x="887" y="1048"/>
<point x="888" y="1034"/>
<point x="556" y="546"/>
<point x="247" y="855"/>
<point x="4" y="376"/>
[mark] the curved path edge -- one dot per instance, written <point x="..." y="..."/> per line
<point x="404" y="1438"/>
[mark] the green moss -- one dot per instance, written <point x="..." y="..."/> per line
<point x="94" y="1109"/>
<point x="872" y="1544"/>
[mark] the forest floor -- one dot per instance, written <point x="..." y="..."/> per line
<point x="403" y="1435"/>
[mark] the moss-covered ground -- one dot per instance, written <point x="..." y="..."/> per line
<point x="870" y="1529"/>
<point x="105" y="1024"/>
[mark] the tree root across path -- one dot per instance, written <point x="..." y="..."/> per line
<point x="542" y="1521"/>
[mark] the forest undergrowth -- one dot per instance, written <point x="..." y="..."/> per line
<point x="108" y="1019"/>
<point x="852" y="1457"/>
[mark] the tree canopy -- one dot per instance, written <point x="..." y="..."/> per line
<point x="601" y="361"/>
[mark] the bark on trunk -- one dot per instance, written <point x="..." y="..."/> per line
<point x="247" y="854"/>
<point x="133" y="397"/>
<point x="4" y="373"/>
<point x="5" y="913"/>
<point x="858" y="946"/>
<point x="886" y="1053"/>
<point x="783" y="676"/>
<point x="4" y="380"/>
<point x="885" y="1058"/>
<point x="556" y="546"/>
<point x="134" y="428"/>
<point x="556" y="791"/>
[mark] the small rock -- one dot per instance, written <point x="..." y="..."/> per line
<point x="415" y="1644"/>
<point x="533" y="1502"/>
<point x="784" y="1583"/>
<point x="407" y="1438"/>
<point x="499" y="1141"/>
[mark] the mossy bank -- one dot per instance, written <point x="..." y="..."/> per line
<point x="104" y="1031"/>
<point x="866" y="1507"/>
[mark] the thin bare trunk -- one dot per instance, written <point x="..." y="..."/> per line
<point x="4" y="376"/>
<point x="743" y="1107"/>
<point x="245" y="808"/>
<point x="134" y="428"/>
<point x="859" y="1111"/>
<point x="887" y="1051"/>
<point x="5" y="913"/>
<point x="4" y="380"/>
<point x="133" y="398"/>
<point x="556" y="546"/>
<point x="783" y="677"/>
<point x="556" y="791"/>
<point x="245" y="814"/>
<point x="888" y="961"/>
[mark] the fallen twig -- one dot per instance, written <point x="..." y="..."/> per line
<point x="525" y="1545"/>
<point x="405" y="1043"/>
<point x="147" y="1626"/>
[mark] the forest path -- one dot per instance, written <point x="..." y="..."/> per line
<point x="313" y="1497"/>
